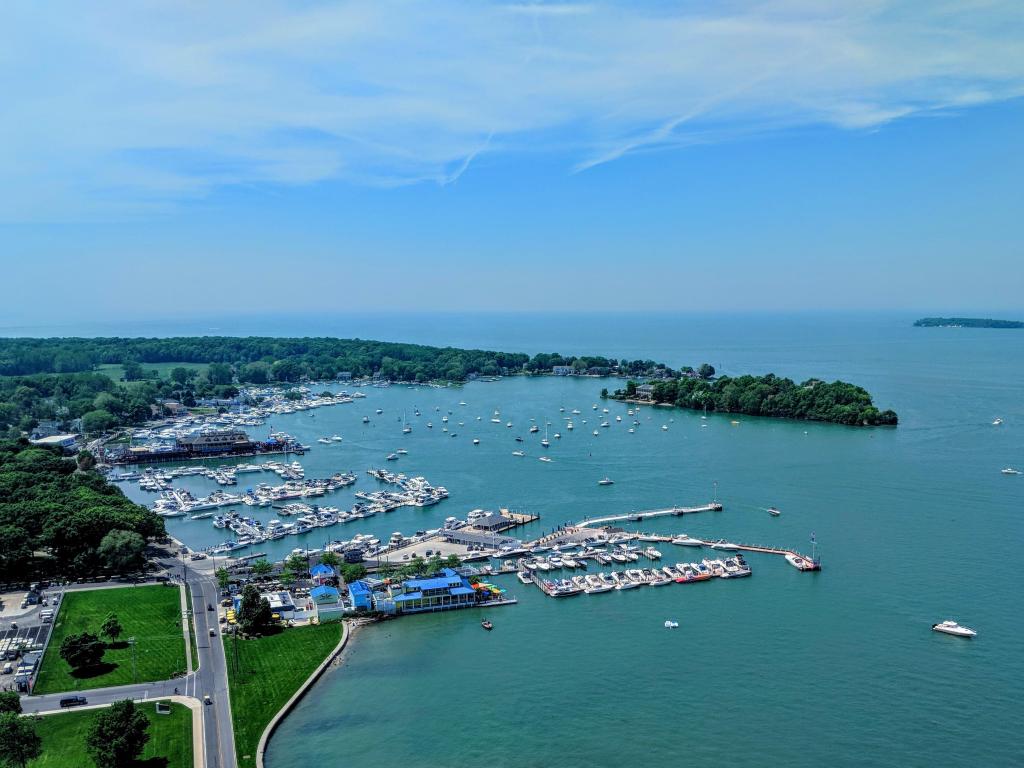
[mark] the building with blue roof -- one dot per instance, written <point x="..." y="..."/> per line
<point x="361" y="595"/>
<point x="444" y="592"/>
<point x="321" y="573"/>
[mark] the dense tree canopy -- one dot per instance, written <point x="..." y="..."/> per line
<point x="48" y="505"/>
<point x="771" y="395"/>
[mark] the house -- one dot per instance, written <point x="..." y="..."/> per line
<point x="323" y="574"/>
<point x="281" y="603"/>
<point x="563" y="370"/>
<point x="46" y="429"/>
<point x="68" y="442"/>
<point x="361" y="596"/>
<point x="443" y="592"/>
<point x="326" y="602"/>
<point x="645" y="392"/>
<point x="344" y="376"/>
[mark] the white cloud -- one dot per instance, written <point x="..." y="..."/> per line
<point x="125" y="105"/>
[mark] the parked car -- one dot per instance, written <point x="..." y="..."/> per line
<point x="72" y="701"/>
<point x="213" y="632"/>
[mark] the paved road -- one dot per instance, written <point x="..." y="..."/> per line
<point x="210" y="679"/>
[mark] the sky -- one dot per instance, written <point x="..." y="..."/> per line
<point x="173" y="158"/>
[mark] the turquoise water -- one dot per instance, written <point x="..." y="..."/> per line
<point x="915" y="525"/>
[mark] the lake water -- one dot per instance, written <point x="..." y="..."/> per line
<point x="915" y="525"/>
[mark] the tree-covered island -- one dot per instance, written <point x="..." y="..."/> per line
<point x="769" y="395"/>
<point x="966" y="322"/>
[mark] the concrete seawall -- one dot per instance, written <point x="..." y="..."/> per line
<point x="346" y="632"/>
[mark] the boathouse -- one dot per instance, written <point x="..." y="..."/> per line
<point x="443" y="592"/>
<point x="361" y="596"/>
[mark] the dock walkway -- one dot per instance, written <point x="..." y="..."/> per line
<point x="713" y="506"/>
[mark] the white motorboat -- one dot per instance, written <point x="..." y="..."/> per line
<point x="950" y="627"/>
<point x="545" y="458"/>
<point x="518" y="453"/>
<point x="476" y="441"/>
<point x="774" y="512"/>
<point x="997" y="422"/>
<point x="683" y="540"/>
<point x="606" y="481"/>
<point x="1010" y="471"/>
<point x="671" y="624"/>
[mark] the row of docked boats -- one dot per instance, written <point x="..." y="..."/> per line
<point x="680" y="573"/>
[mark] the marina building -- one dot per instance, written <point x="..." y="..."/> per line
<point x="361" y="595"/>
<point x="322" y="574"/>
<point x="444" y="592"/>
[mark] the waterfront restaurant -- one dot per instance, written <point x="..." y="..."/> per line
<point x="444" y="592"/>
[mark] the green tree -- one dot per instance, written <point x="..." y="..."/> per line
<point x="182" y="376"/>
<point x="82" y="651"/>
<point x="452" y="561"/>
<point x="10" y="701"/>
<point x="604" y="393"/>
<point x="219" y="373"/>
<point x="297" y="564"/>
<point x="706" y="371"/>
<point x="111" y="627"/>
<point x="350" y="572"/>
<point x="118" y="735"/>
<point x="123" y="551"/>
<point x="262" y="567"/>
<point x="98" y="421"/>
<point x="19" y="741"/>
<point x="133" y="371"/>
<point x="254" y="614"/>
<point x="331" y="559"/>
<point x="85" y="460"/>
<point x="223" y="578"/>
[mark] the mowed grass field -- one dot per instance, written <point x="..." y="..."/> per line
<point x="63" y="737"/>
<point x="150" y="614"/>
<point x="270" y="669"/>
<point x="116" y="371"/>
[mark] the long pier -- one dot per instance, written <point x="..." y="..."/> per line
<point x="713" y="506"/>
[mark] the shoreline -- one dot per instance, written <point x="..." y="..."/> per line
<point x="335" y="657"/>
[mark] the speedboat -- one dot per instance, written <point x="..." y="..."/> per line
<point x="392" y="457"/>
<point x="545" y="458"/>
<point x="486" y="624"/>
<point x="773" y="512"/>
<point x="518" y="453"/>
<point x="997" y="422"/>
<point x="1010" y="471"/>
<point x="687" y="541"/>
<point x="606" y="481"/>
<point x="671" y="624"/>
<point x="950" y="627"/>
<point x="476" y="441"/>
<point x="725" y="546"/>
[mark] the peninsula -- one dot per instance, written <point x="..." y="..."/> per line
<point x="93" y="385"/>
<point x="966" y="322"/>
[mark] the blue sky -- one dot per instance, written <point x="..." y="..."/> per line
<point x="473" y="155"/>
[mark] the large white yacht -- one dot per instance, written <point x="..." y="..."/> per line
<point x="950" y="627"/>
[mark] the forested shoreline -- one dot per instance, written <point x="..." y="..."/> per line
<point x="57" y="514"/>
<point x="63" y="380"/>
<point x="814" y="400"/>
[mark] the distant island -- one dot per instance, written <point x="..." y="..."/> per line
<point x="966" y="322"/>
<point x="95" y="385"/>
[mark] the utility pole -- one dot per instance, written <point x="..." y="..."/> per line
<point x="132" y="642"/>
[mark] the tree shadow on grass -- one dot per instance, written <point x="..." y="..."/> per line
<point x="119" y="645"/>
<point x="152" y="762"/>
<point x="87" y="673"/>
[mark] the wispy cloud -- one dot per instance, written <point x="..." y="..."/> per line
<point x="124" y="106"/>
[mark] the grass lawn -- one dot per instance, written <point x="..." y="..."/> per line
<point x="63" y="736"/>
<point x="150" y="614"/>
<point x="116" y="370"/>
<point x="270" y="670"/>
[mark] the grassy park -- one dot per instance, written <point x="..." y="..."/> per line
<point x="63" y="739"/>
<point x="150" y="614"/>
<point x="163" y="370"/>
<point x="265" y="672"/>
